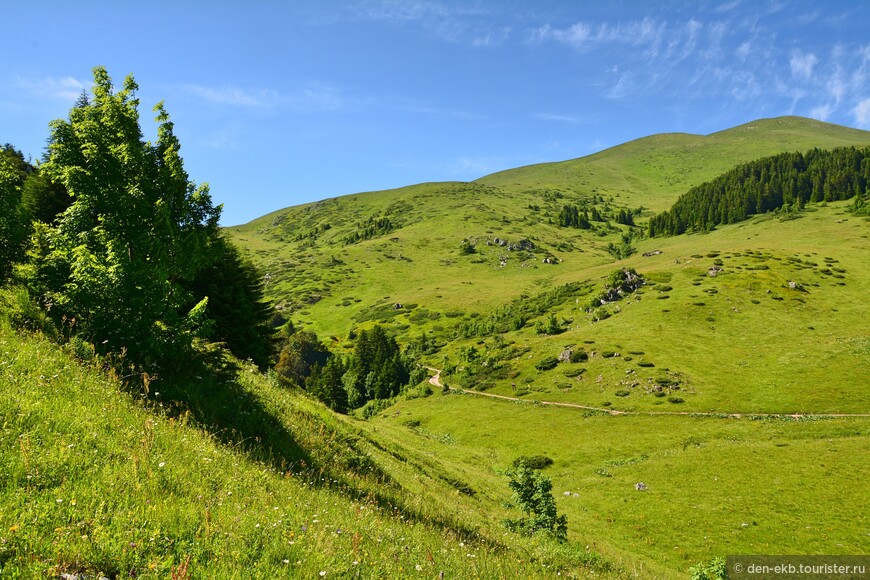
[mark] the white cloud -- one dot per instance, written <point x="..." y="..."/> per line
<point x="802" y="64"/>
<point x="862" y="114"/>
<point x="65" y="88"/>
<point x="232" y="95"/>
<point x="316" y="97"/>
<point x="561" y="118"/>
<point x="822" y="112"/>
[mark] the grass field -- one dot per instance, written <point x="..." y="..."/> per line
<point x="101" y="482"/>
<point x="245" y="478"/>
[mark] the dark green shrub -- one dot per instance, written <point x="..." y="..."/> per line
<point x="609" y="354"/>
<point x="533" y="461"/>
<point x="622" y="393"/>
<point x="675" y="400"/>
<point x="578" y="356"/>
<point x="646" y="364"/>
<point x="547" y="364"/>
<point x="571" y="373"/>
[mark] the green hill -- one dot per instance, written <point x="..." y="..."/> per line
<point x="321" y="281"/>
<point x="246" y="480"/>
<point x="718" y="407"/>
<point x="730" y="383"/>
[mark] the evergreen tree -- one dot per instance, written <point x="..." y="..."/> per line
<point x="237" y="311"/>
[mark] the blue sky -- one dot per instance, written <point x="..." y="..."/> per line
<point x="279" y="103"/>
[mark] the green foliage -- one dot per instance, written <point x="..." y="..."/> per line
<point x="466" y="248"/>
<point x="578" y="355"/>
<point x="239" y="316"/>
<point x="715" y="569"/>
<point x="326" y="384"/>
<point x="118" y="259"/>
<point x="570" y="217"/>
<point x="533" y="462"/>
<point x="547" y="363"/>
<point x="514" y="315"/>
<point x="532" y="493"/>
<point x="786" y="181"/>
<point x="13" y="171"/>
<point x="300" y="353"/>
<point x="550" y="328"/>
<point x="374" y="226"/>
<point x="42" y="199"/>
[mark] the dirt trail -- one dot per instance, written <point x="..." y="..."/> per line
<point x="436" y="382"/>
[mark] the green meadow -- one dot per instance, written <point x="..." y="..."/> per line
<point x="720" y="407"/>
<point x="726" y="363"/>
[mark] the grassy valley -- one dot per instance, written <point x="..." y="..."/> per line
<point x="716" y="383"/>
<point x="714" y="403"/>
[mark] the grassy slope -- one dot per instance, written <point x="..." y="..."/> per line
<point x="329" y="286"/>
<point x="654" y="171"/>
<point x="94" y="482"/>
<point x="740" y="342"/>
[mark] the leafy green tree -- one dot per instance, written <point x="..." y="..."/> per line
<point x="137" y="230"/>
<point x="301" y="352"/>
<point x="12" y="174"/>
<point x="533" y="494"/>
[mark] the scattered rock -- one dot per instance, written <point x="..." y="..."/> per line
<point x="640" y="486"/>
<point x="522" y="245"/>
<point x="713" y="271"/>
<point x="652" y="253"/>
<point x="398" y="306"/>
<point x="565" y="355"/>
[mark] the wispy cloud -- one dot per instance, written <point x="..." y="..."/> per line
<point x="64" y="88"/>
<point x="571" y="119"/>
<point x="456" y="23"/>
<point x="862" y="114"/>
<point x="229" y="95"/>
<point x="315" y="97"/>
<point x="802" y="64"/>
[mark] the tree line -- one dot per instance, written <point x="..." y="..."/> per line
<point x="786" y="181"/>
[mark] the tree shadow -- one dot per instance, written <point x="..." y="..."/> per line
<point x="207" y="392"/>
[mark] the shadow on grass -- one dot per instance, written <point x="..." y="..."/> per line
<point x="207" y="392"/>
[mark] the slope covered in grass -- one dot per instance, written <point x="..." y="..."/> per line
<point x="420" y="262"/>
<point x="100" y="481"/>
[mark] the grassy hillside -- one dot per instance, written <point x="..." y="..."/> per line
<point x="738" y="369"/>
<point x="653" y="171"/>
<point x="100" y="481"/>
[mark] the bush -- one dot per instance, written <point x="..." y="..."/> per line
<point x="571" y="373"/>
<point x="675" y="400"/>
<point x="715" y="569"/>
<point x="646" y="364"/>
<point x="578" y="356"/>
<point x="609" y="354"/>
<point x="623" y="393"/>
<point x="532" y="493"/>
<point x="547" y="364"/>
<point x="533" y="461"/>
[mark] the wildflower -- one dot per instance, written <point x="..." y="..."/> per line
<point x="59" y="500"/>
<point x="14" y="528"/>
<point x="161" y="464"/>
<point x="419" y="568"/>
<point x="323" y="573"/>
<point x="286" y="561"/>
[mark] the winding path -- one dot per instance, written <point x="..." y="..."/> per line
<point x="436" y="382"/>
